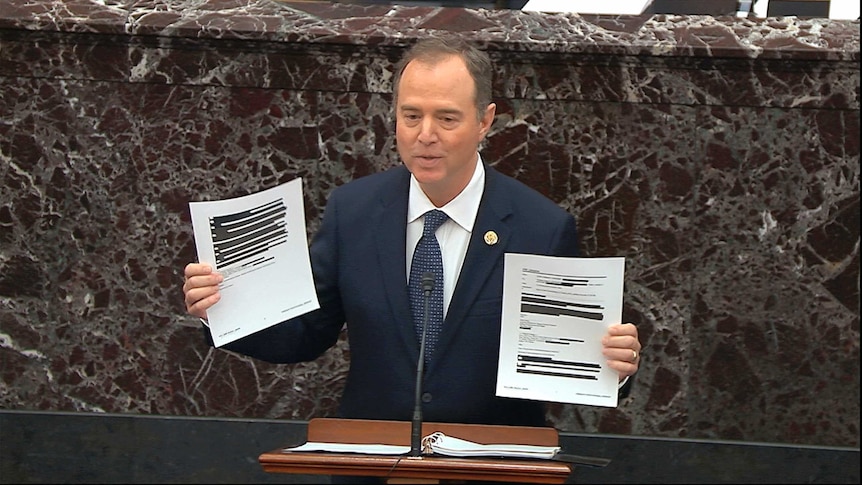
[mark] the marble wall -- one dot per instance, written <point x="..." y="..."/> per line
<point x="719" y="155"/>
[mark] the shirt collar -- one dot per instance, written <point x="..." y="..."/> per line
<point x="462" y="209"/>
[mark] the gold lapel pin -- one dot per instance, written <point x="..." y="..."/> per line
<point x="491" y="238"/>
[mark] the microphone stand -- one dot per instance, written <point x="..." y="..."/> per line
<point x="416" y="425"/>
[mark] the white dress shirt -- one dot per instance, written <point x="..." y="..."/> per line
<point x="454" y="234"/>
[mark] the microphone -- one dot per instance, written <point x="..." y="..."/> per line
<point x="416" y="425"/>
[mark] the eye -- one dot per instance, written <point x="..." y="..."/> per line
<point x="448" y="121"/>
<point x="410" y="118"/>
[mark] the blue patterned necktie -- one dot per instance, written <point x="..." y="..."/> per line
<point x="428" y="257"/>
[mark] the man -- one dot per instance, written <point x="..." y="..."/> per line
<point x="362" y="255"/>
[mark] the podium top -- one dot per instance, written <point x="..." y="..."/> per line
<point x="419" y="469"/>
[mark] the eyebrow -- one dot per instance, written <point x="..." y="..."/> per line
<point x="443" y="111"/>
<point x="448" y="112"/>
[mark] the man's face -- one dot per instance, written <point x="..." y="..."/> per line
<point x="437" y="129"/>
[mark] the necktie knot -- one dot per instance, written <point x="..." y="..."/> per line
<point x="433" y="219"/>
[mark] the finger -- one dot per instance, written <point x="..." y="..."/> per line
<point x="202" y="281"/>
<point x="623" y="329"/>
<point x="196" y="294"/>
<point x="626" y="342"/>
<point x="625" y="361"/>
<point x="196" y="269"/>
<point x="622" y="354"/>
<point x="200" y="299"/>
<point x="623" y="368"/>
<point x="200" y="288"/>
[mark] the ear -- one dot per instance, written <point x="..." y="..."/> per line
<point x="487" y="120"/>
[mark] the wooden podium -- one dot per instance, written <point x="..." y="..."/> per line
<point x="420" y="469"/>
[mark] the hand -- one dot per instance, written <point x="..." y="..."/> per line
<point x="201" y="288"/>
<point x="622" y="349"/>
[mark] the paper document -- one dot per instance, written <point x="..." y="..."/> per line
<point x="441" y="444"/>
<point x="367" y="449"/>
<point x="611" y="7"/>
<point x="437" y="443"/>
<point x="555" y="313"/>
<point x="258" y="243"/>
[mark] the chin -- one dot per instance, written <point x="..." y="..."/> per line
<point x="422" y="172"/>
<point x="427" y="175"/>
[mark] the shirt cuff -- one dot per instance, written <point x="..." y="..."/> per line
<point x="620" y="386"/>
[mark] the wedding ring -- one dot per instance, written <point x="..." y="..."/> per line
<point x="634" y="355"/>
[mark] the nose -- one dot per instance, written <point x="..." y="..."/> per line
<point x="427" y="131"/>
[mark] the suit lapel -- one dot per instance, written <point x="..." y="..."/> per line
<point x="391" y="221"/>
<point x="481" y="257"/>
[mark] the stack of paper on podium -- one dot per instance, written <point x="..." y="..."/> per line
<point x="440" y="444"/>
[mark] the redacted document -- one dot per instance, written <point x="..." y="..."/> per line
<point x="258" y="243"/>
<point x="555" y="312"/>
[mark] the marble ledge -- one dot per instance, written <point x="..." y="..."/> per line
<point x="510" y="30"/>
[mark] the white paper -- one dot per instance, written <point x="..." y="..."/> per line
<point x="611" y="7"/>
<point x="436" y="443"/>
<point x="838" y="9"/>
<point x="258" y="243"/>
<point x="442" y="444"/>
<point x="842" y="9"/>
<point x="555" y="313"/>
<point x="367" y="449"/>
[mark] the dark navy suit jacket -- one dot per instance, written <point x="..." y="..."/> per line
<point x="359" y="266"/>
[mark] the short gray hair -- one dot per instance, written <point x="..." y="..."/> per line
<point x="434" y="49"/>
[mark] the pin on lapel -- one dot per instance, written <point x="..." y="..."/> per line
<point x="491" y="238"/>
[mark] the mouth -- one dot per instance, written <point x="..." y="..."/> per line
<point x="426" y="159"/>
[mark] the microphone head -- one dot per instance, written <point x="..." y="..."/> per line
<point x="428" y="281"/>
